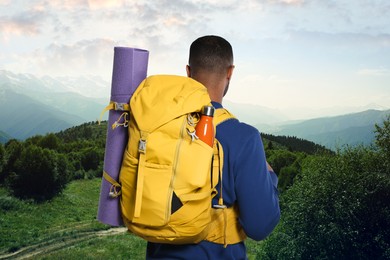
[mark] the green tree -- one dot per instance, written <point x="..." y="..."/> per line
<point x="33" y="140"/>
<point x="13" y="149"/>
<point x="281" y="158"/>
<point x="270" y="145"/>
<point x="2" y="158"/>
<point x="50" y="141"/>
<point x="39" y="174"/>
<point x="383" y="138"/>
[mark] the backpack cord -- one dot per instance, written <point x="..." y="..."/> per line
<point x="125" y="121"/>
<point x="220" y="200"/>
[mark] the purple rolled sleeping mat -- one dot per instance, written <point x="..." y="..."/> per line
<point x="129" y="70"/>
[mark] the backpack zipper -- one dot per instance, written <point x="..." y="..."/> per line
<point x="176" y="160"/>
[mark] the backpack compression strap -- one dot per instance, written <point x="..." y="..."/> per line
<point x="117" y="107"/>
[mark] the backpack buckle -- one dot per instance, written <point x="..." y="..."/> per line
<point x="142" y="146"/>
<point x="119" y="106"/>
<point x="217" y="206"/>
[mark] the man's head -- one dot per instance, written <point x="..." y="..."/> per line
<point x="211" y="54"/>
<point x="211" y="63"/>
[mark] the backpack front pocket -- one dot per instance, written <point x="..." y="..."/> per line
<point x="193" y="171"/>
<point x="156" y="192"/>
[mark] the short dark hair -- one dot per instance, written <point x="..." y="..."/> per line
<point x="210" y="53"/>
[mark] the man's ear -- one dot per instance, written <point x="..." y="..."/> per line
<point x="188" y="69"/>
<point x="230" y="71"/>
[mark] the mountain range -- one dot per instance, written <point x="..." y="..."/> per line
<point x="334" y="132"/>
<point x="31" y="105"/>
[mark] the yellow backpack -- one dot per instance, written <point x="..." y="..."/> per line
<point x="167" y="177"/>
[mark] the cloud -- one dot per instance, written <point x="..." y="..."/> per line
<point x="10" y="27"/>
<point x="5" y="2"/>
<point x="374" y="72"/>
<point x="98" y="4"/>
<point x="86" y="56"/>
<point x="25" y="19"/>
<point x="90" y="4"/>
<point x="288" y="2"/>
<point x="25" y="23"/>
<point x="67" y="4"/>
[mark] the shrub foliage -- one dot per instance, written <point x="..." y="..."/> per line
<point x="338" y="208"/>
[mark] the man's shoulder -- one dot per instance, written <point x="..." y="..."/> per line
<point x="237" y="129"/>
<point x="239" y="125"/>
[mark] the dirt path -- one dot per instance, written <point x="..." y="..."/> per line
<point x="60" y="242"/>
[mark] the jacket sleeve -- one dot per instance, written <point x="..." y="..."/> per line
<point x="256" y="190"/>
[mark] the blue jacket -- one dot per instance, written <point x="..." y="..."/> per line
<point x="246" y="181"/>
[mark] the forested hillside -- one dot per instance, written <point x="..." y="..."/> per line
<point x="79" y="153"/>
<point x="294" y="144"/>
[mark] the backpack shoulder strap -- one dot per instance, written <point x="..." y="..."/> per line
<point x="224" y="227"/>
<point x="222" y="115"/>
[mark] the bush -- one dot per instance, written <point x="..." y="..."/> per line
<point x="91" y="158"/>
<point x="287" y="175"/>
<point x="338" y="209"/>
<point x="281" y="158"/>
<point x="8" y="203"/>
<point x="39" y="174"/>
<point x="287" y="165"/>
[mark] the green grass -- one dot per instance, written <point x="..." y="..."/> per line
<point x="124" y="246"/>
<point x="25" y="223"/>
<point x="66" y="228"/>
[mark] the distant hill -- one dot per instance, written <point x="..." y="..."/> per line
<point x="86" y="108"/>
<point x="254" y="114"/>
<point x="30" y="105"/>
<point x="332" y="132"/>
<point x="23" y="117"/>
<point x="77" y="96"/>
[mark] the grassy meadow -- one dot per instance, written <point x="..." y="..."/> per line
<point x="65" y="228"/>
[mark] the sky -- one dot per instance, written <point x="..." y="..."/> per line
<point x="305" y="58"/>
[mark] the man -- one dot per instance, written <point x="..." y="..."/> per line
<point x="248" y="181"/>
